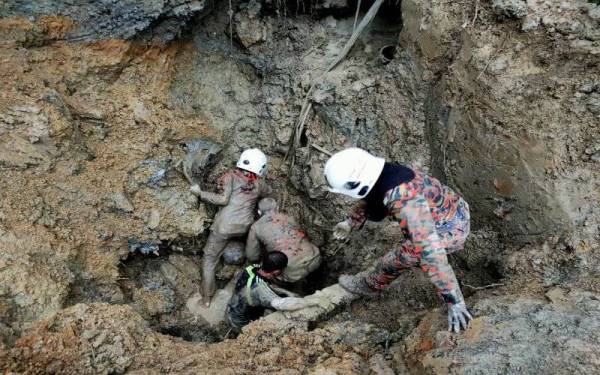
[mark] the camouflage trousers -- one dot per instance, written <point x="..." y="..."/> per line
<point x="452" y="233"/>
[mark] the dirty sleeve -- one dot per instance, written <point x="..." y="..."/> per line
<point x="224" y="186"/>
<point x="411" y="209"/>
<point x="265" y="189"/>
<point x="263" y="294"/>
<point x="266" y="297"/>
<point x="253" y="248"/>
<point x="290" y="303"/>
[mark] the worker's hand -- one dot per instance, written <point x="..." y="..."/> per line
<point x="342" y="230"/>
<point x="458" y="317"/>
<point x="321" y="300"/>
<point x="195" y="189"/>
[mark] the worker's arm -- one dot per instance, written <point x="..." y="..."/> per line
<point x="253" y="249"/>
<point x="267" y="298"/>
<point x="358" y="215"/>
<point x="225" y="185"/>
<point x="410" y="207"/>
<point x="291" y="303"/>
<point x="282" y="291"/>
<point x="414" y="215"/>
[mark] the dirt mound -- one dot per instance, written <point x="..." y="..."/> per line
<point x="525" y="335"/>
<point x="102" y="338"/>
<point x="89" y="168"/>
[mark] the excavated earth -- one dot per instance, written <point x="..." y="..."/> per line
<point x="102" y="102"/>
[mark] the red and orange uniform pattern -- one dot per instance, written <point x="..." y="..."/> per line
<point x="435" y="221"/>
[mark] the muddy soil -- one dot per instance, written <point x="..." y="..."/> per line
<point x="100" y="239"/>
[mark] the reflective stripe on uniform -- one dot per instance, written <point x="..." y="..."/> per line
<point x="252" y="276"/>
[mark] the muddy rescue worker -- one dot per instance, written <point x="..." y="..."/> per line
<point x="276" y="231"/>
<point x="434" y="221"/>
<point x="240" y="189"/>
<point x="253" y="293"/>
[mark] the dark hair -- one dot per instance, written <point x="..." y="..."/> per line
<point x="274" y="261"/>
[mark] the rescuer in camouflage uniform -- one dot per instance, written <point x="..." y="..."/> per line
<point x="433" y="219"/>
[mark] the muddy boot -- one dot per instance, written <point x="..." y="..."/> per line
<point x="356" y="284"/>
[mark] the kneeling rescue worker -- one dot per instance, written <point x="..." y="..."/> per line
<point x="253" y="294"/>
<point x="434" y="221"/>
<point x="240" y="191"/>
<point x="276" y="231"/>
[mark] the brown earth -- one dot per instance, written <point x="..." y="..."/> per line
<point x="499" y="99"/>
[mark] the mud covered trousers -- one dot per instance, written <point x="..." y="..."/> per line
<point x="215" y="245"/>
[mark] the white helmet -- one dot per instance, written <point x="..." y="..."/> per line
<point x="353" y="172"/>
<point x="253" y="160"/>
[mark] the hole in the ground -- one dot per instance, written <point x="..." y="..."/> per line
<point x="176" y="332"/>
<point x="475" y="270"/>
<point x="387" y="53"/>
<point x="159" y="287"/>
<point x="390" y="11"/>
<point x="303" y="138"/>
<point x="493" y="271"/>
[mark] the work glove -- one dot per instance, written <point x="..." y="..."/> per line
<point x="195" y="189"/>
<point x="458" y="317"/>
<point x="321" y="300"/>
<point x="342" y="230"/>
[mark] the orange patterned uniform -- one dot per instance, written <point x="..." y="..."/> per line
<point x="435" y="221"/>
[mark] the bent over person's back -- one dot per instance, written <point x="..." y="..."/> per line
<point x="276" y="231"/>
